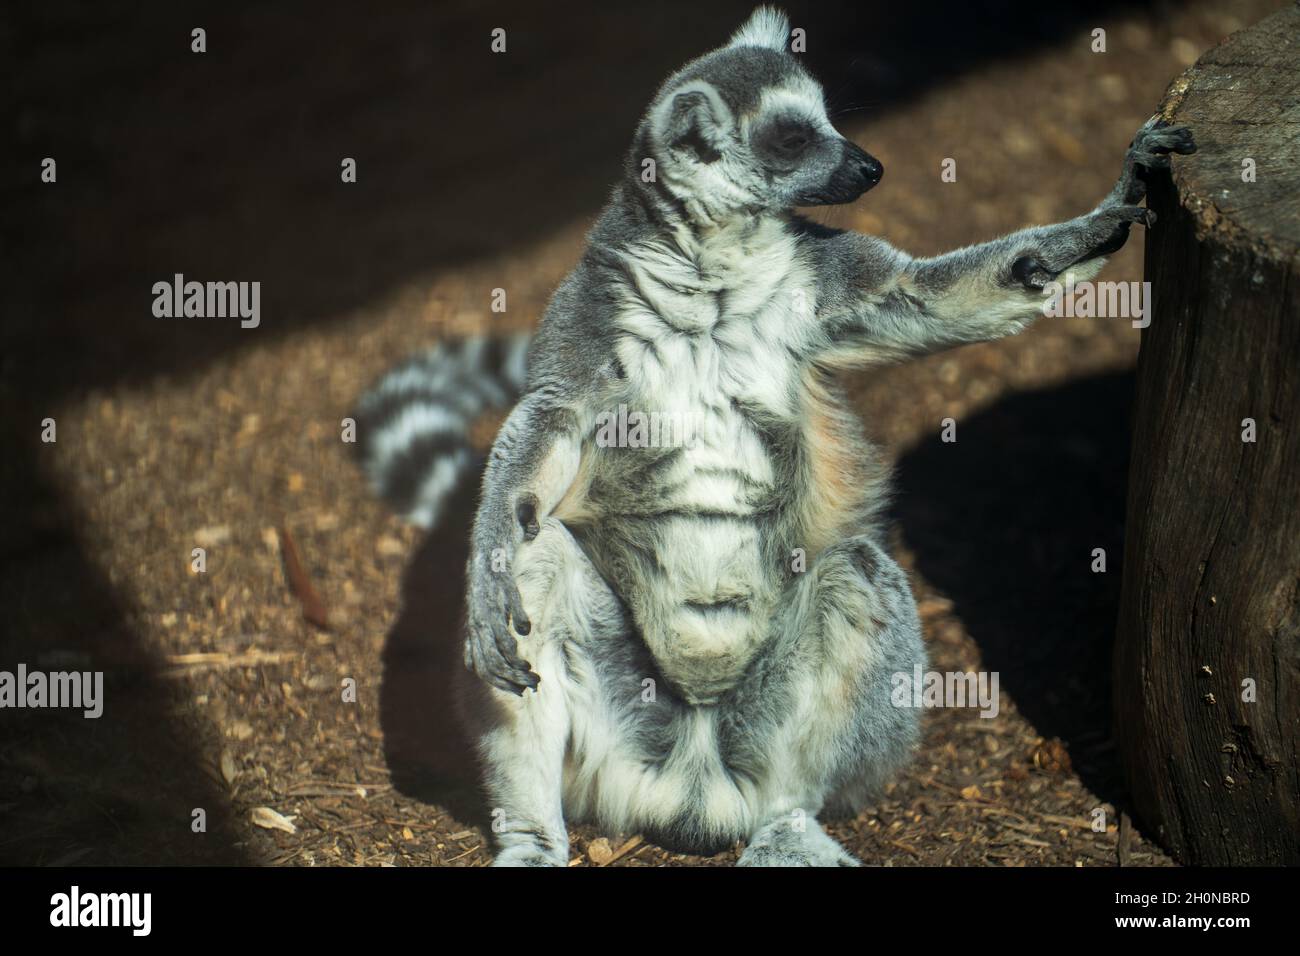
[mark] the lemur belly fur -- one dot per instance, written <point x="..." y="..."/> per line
<point x="702" y="539"/>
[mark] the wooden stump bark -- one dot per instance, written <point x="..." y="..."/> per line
<point x="1207" y="661"/>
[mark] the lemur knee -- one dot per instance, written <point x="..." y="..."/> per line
<point x="868" y="559"/>
<point x="869" y="569"/>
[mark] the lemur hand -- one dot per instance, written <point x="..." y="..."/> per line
<point x="1149" y="150"/>
<point x="1106" y="228"/>
<point x="1099" y="233"/>
<point x="490" y="647"/>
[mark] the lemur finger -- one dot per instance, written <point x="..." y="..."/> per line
<point x="1165" y="139"/>
<point x="517" y="670"/>
<point x="1129" y="214"/>
<point x="1146" y="129"/>
<point x="516" y="681"/>
<point x="475" y="655"/>
<point x="478" y="665"/>
<point x="1186" y="142"/>
<point x="483" y="660"/>
<point x="515" y="608"/>
<point x="1105" y="220"/>
<point x="1109" y="229"/>
<point x="501" y="682"/>
<point x="498" y="671"/>
<point x="1151" y="149"/>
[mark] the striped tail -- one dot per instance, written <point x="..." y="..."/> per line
<point x="413" y="426"/>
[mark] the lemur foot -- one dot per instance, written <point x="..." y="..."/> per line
<point x="525" y="855"/>
<point x="783" y="843"/>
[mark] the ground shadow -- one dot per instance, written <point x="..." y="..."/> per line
<point x="425" y="746"/>
<point x="1004" y="521"/>
<point x="119" y="789"/>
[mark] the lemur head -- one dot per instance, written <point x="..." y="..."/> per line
<point x="743" y="131"/>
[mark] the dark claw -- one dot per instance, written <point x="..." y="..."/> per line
<point x="520" y="679"/>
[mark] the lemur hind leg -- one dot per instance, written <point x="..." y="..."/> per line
<point x="522" y="739"/>
<point x="816" y="725"/>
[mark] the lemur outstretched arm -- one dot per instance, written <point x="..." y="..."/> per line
<point x="889" y="305"/>
<point x="530" y="467"/>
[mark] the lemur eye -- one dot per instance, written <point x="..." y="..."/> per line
<point x="787" y="140"/>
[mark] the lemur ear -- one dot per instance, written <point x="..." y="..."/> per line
<point x="766" y="27"/>
<point x="694" y="120"/>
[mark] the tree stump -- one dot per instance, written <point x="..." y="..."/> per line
<point x="1207" y="661"/>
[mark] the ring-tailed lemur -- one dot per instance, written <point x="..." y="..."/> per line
<point x="695" y="640"/>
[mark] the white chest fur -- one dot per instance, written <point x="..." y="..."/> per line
<point x="708" y="335"/>
<point x="708" y="321"/>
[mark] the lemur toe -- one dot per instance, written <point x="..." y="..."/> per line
<point x="1172" y="139"/>
<point x="1153" y="144"/>
<point x="1131" y="214"/>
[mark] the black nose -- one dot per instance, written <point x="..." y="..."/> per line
<point x="866" y="166"/>
<point x="870" y="170"/>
